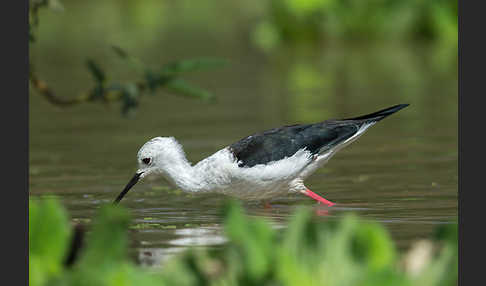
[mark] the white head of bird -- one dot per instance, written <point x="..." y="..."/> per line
<point x="159" y="155"/>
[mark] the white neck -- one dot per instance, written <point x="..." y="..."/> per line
<point x="183" y="175"/>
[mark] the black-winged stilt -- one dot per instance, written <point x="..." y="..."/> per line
<point x="260" y="166"/>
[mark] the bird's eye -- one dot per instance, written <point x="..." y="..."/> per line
<point x="146" y="160"/>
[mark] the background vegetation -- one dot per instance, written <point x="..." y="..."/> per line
<point x="270" y="25"/>
<point x="312" y="21"/>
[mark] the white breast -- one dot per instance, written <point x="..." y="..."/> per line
<point x="223" y="175"/>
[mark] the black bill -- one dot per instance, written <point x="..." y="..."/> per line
<point x="130" y="184"/>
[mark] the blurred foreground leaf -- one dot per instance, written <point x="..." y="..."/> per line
<point x="103" y="259"/>
<point x="348" y="251"/>
<point x="48" y="240"/>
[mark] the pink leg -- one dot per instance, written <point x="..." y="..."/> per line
<point x="267" y="205"/>
<point x="318" y="198"/>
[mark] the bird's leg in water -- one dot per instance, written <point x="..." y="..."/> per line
<point x="267" y="205"/>
<point x="316" y="197"/>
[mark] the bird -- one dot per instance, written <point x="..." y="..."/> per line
<point x="258" y="167"/>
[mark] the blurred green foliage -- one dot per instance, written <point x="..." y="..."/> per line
<point x="315" y="26"/>
<point x="350" y="251"/>
<point x="48" y="241"/>
<point x="168" y="76"/>
<point x="313" y="21"/>
<point x="103" y="262"/>
<point x="129" y="93"/>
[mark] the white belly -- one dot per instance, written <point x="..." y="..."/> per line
<point x="256" y="191"/>
<point x="259" y="182"/>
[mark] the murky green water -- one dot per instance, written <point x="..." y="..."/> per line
<point x="402" y="172"/>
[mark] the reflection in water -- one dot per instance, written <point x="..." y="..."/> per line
<point x="155" y="257"/>
<point x="185" y="237"/>
<point x="198" y="237"/>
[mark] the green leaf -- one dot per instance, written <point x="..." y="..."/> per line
<point x="49" y="234"/>
<point x="96" y="71"/>
<point x="135" y="63"/>
<point x="347" y="251"/>
<point x="120" y="52"/>
<point x="184" y="66"/>
<point x="181" y="87"/>
<point x="372" y="245"/>
<point x="253" y="239"/>
<point x="447" y="233"/>
<point x="104" y="259"/>
<point x="107" y="243"/>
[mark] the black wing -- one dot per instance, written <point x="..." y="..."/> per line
<point x="278" y="143"/>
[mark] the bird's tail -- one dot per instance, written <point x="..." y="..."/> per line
<point x="379" y="115"/>
<point x="361" y="122"/>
